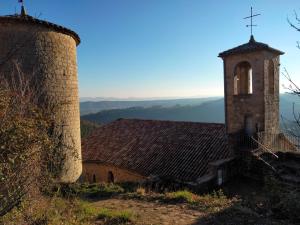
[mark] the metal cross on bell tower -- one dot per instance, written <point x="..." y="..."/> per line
<point x="251" y="20"/>
<point x="23" y="10"/>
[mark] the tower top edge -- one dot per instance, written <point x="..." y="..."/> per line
<point x="26" y="19"/>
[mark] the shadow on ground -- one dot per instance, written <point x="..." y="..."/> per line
<point x="252" y="209"/>
<point x="238" y="216"/>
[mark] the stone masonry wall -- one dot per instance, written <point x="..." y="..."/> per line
<point x="271" y="99"/>
<point x="50" y="58"/>
<point x="101" y="171"/>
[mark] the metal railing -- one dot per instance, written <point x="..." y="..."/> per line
<point x="268" y="142"/>
<point x="245" y="141"/>
<point x="279" y="142"/>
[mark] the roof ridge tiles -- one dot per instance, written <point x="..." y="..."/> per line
<point x="250" y="46"/>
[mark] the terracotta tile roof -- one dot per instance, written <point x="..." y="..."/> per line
<point x="32" y="20"/>
<point x="181" y="150"/>
<point x="251" y="46"/>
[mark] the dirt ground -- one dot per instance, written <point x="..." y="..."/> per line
<point x="153" y="213"/>
<point x="158" y="213"/>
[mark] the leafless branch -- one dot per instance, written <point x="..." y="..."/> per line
<point x="293" y="87"/>
<point x="296" y="17"/>
<point x="293" y="25"/>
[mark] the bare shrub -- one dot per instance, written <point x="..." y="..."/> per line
<point x="31" y="148"/>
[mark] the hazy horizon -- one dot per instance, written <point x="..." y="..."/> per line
<point x="153" y="98"/>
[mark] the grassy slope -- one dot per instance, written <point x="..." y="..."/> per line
<point x="114" y="204"/>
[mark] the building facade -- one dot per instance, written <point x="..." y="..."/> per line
<point x="94" y="172"/>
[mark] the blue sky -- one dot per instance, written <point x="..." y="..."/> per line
<point x="163" y="48"/>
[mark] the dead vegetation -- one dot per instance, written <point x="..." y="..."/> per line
<point x="31" y="156"/>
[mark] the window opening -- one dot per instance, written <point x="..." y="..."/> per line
<point x="243" y="79"/>
<point x="110" y="177"/>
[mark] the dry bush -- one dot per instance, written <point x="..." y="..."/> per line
<point x="52" y="211"/>
<point x="31" y="155"/>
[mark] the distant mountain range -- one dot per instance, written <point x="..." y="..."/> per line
<point x="88" y="107"/>
<point x="196" y="110"/>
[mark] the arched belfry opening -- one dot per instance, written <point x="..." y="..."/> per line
<point x="271" y="74"/>
<point x="242" y="79"/>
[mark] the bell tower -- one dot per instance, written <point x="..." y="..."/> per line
<point x="251" y="88"/>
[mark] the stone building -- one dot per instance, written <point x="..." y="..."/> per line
<point x="46" y="53"/>
<point x="198" y="153"/>
<point x="251" y="84"/>
<point x="251" y="90"/>
<point x="133" y="150"/>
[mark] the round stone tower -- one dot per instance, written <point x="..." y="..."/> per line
<point x="47" y="52"/>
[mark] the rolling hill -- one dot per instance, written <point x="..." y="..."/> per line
<point x="195" y="110"/>
<point x="211" y="111"/>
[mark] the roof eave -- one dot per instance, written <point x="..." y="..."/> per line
<point x="226" y="53"/>
<point x="32" y="20"/>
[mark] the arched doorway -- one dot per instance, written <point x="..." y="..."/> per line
<point x="110" y="177"/>
<point x="249" y="125"/>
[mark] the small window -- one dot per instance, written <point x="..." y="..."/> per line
<point x="242" y="79"/>
<point x="271" y="77"/>
<point x="94" y="178"/>
<point x="249" y="125"/>
<point x="220" y="177"/>
<point x="110" y="177"/>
